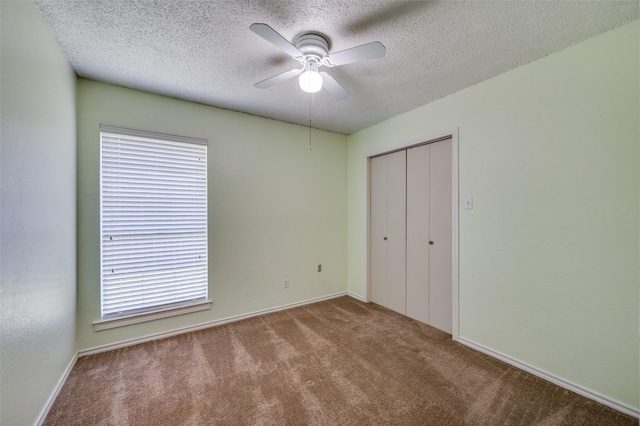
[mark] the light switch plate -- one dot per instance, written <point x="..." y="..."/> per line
<point x="468" y="203"/>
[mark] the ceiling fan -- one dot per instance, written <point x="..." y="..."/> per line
<point x="312" y="51"/>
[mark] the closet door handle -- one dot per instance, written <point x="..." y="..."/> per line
<point x="385" y="238"/>
<point x="430" y="243"/>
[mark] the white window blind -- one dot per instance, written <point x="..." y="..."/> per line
<point x="153" y="221"/>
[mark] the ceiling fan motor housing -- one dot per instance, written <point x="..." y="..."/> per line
<point x="313" y="46"/>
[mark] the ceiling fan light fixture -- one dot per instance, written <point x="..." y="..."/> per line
<point x="310" y="80"/>
<point x="312" y="51"/>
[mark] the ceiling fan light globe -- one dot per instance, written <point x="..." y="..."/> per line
<point x="310" y="81"/>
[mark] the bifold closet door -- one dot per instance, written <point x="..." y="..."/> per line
<point x="429" y="234"/>
<point x="388" y="231"/>
<point x="418" y="233"/>
<point x="440" y="233"/>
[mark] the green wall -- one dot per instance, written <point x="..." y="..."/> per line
<point x="276" y="209"/>
<point x="548" y="257"/>
<point x="38" y="212"/>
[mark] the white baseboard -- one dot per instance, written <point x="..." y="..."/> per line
<point x="357" y="297"/>
<point x="623" y="408"/>
<point x="177" y="331"/>
<point x="45" y="411"/>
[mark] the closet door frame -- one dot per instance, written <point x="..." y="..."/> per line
<point x="453" y="134"/>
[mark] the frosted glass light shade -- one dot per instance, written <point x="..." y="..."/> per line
<point x="310" y="81"/>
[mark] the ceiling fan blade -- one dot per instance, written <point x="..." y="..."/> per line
<point x="269" y="34"/>
<point x="333" y="87"/>
<point x="373" y="50"/>
<point x="278" y="78"/>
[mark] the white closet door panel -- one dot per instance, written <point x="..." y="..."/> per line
<point x="396" y="231"/>
<point x="378" y="230"/>
<point x="418" y="233"/>
<point x="440" y="233"/>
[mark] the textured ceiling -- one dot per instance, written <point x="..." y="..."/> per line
<point x="203" y="50"/>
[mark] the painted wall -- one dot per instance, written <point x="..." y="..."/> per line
<point x="38" y="214"/>
<point x="548" y="257"/>
<point x="276" y="209"/>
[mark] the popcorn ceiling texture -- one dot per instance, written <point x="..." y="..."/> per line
<point x="203" y="51"/>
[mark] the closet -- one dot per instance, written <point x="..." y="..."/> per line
<point x="411" y="232"/>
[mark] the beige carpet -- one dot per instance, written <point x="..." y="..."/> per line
<point x="334" y="362"/>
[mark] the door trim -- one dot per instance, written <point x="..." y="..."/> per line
<point x="453" y="134"/>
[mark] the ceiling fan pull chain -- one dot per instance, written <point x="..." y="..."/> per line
<point x="311" y="103"/>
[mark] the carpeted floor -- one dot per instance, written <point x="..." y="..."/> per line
<point x="338" y="362"/>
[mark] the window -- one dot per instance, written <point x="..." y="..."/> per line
<point x="153" y="211"/>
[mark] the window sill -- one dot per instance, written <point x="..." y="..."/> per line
<point x="150" y="316"/>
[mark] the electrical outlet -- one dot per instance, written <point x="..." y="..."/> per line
<point x="319" y="268"/>
<point x="286" y="283"/>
